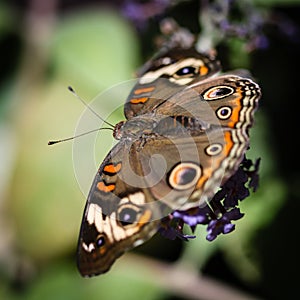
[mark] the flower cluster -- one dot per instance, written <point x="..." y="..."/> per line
<point x="240" y="19"/>
<point x="226" y="18"/>
<point x="223" y="208"/>
<point x="139" y="12"/>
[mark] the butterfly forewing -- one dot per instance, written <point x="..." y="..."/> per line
<point x="165" y="75"/>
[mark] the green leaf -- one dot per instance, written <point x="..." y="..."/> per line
<point x="94" y="50"/>
<point x="62" y="281"/>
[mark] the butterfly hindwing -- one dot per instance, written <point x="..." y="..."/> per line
<point x="116" y="217"/>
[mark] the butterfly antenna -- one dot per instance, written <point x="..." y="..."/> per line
<point x="76" y="136"/>
<point x="86" y="105"/>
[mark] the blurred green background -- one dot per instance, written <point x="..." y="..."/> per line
<point x="47" y="46"/>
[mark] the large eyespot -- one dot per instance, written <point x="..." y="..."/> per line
<point x="187" y="71"/>
<point x="224" y="112"/>
<point x="100" y="242"/>
<point x="128" y="214"/>
<point x="213" y="149"/>
<point x="217" y="92"/>
<point x="184" y="176"/>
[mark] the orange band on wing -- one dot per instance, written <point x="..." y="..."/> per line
<point x="228" y="143"/>
<point x="203" y="70"/>
<point x="206" y="174"/>
<point x="144" y="90"/>
<point x="138" y="100"/>
<point x="145" y="218"/>
<point x="105" y="188"/>
<point x="112" y="168"/>
<point x="235" y="116"/>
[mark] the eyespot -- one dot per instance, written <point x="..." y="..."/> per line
<point x="186" y="71"/>
<point x="224" y="112"/>
<point x="100" y="242"/>
<point x="213" y="149"/>
<point x="184" y="176"/>
<point x="218" y="92"/>
<point x="128" y="214"/>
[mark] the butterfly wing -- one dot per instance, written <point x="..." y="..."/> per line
<point x="227" y="101"/>
<point x="204" y="133"/>
<point x="165" y="76"/>
<point x="116" y="217"/>
<point x="189" y="169"/>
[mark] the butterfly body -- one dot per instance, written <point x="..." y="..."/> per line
<point x="186" y="133"/>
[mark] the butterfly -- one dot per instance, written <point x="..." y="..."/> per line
<point x="186" y="132"/>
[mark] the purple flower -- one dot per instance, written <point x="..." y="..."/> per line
<point x="140" y="12"/>
<point x="194" y="216"/>
<point x="223" y="224"/>
<point x="240" y="19"/>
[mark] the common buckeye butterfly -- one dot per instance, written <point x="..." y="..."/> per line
<point x="186" y="133"/>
